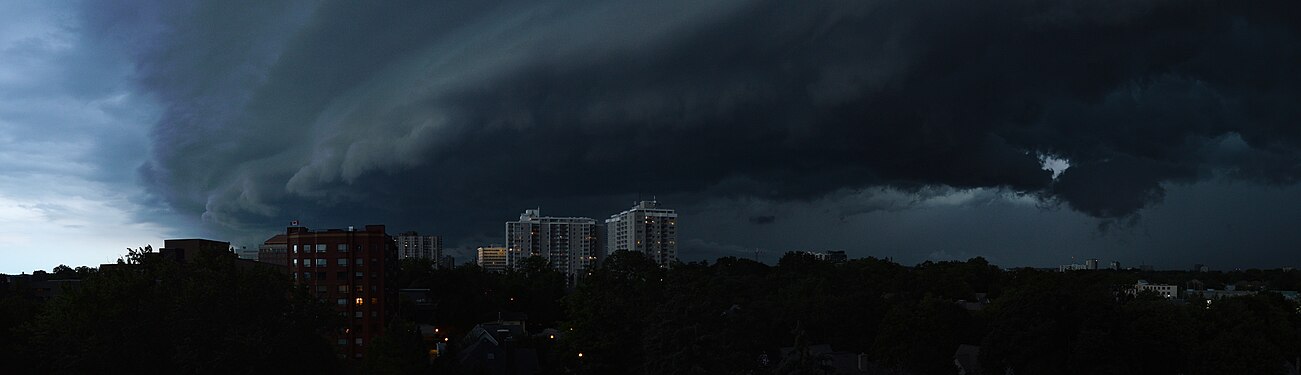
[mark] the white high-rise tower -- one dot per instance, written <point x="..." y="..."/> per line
<point x="645" y="228"/>
<point x="568" y="243"/>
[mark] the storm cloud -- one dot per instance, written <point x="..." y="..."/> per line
<point x="455" y="115"/>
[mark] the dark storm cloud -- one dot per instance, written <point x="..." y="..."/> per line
<point x="455" y="115"/>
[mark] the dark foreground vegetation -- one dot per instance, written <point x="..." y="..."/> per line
<point x="732" y="316"/>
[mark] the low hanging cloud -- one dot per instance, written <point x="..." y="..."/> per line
<point x="446" y="114"/>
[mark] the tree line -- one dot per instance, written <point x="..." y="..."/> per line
<point x="728" y="316"/>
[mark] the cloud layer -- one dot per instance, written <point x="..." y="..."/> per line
<point x="454" y="115"/>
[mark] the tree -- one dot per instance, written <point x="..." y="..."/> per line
<point x="399" y="350"/>
<point x="608" y="314"/>
<point x="152" y="315"/>
<point x="921" y="337"/>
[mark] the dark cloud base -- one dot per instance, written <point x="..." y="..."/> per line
<point x="454" y="117"/>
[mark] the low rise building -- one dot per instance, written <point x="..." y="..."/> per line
<point x="492" y="258"/>
<point x="1163" y="290"/>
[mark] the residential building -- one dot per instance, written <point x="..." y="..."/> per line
<point x="274" y="251"/>
<point x="246" y="254"/>
<point x="833" y="256"/>
<point x="348" y="267"/>
<point x="414" y="245"/>
<point x="569" y="244"/>
<point x="1071" y="267"/>
<point x="492" y="258"/>
<point x="1091" y="264"/>
<point x="1164" y="290"/>
<point x="645" y="228"/>
<point x="187" y="250"/>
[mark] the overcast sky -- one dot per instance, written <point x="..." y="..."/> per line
<point x="1033" y="133"/>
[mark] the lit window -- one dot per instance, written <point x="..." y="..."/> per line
<point x="307" y="248"/>
<point x="320" y="262"/>
<point x="295" y="261"/>
<point x="374" y="300"/>
<point x="320" y="247"/>
<point x="343" y="247"/>
<point x="307" y="262"/>
<point x="360" y="300"/>
<point x="295" y="248"/>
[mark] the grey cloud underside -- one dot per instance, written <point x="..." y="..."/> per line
<point x="452" y="115"/>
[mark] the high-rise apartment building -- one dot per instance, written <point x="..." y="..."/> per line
<point x="492" y="258"/>
<point x="348" y="267"/>
<point x="413" y="245"/>
<point x="645" y="228"/>
<point x="569" y="244"/>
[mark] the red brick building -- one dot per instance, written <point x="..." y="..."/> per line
<point x="348" y="267"/>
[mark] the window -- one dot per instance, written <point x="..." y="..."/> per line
<point x="340" y="276"/>
<point x="361" y="275"/>
<point x="343" y="248"/>
<point x="374" y="300"/>
<point x="358" y="261"/>
<point x="360" y="301"/>
<point x="343" y="261"/>
<point x="357" y="314"/>
<point x="320" y="262"/>
<point x="320" y="247"/>
<point x="295" y="262"/>
<point x="307" y="275"/>
<point x="307" y="248"/>
<point x="320" y="275"/>
<point x="341" y="301"/>
<point x="343" y="341"/>
<point x="358" y="289"/>
<point x="358" y="341"/>
<point x="295" y="248"/>
<point x="343" y="288"/>
<point x="307" y="262"/>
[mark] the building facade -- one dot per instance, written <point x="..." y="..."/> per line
<point x="1163" y="290"/>
<point x="645" y="228"/>
<point x="569" y="244"/>
<point x="347" y="267"/>
<point x="413" y="245"/>
<point x="275" y="251"/>
<point x="492" y="258"/>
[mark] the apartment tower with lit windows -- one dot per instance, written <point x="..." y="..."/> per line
<point x="645" y="228"/>
<point x="347" y="267"/>
<point x="414" y="245"/>
<point x="569" y="244"/>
